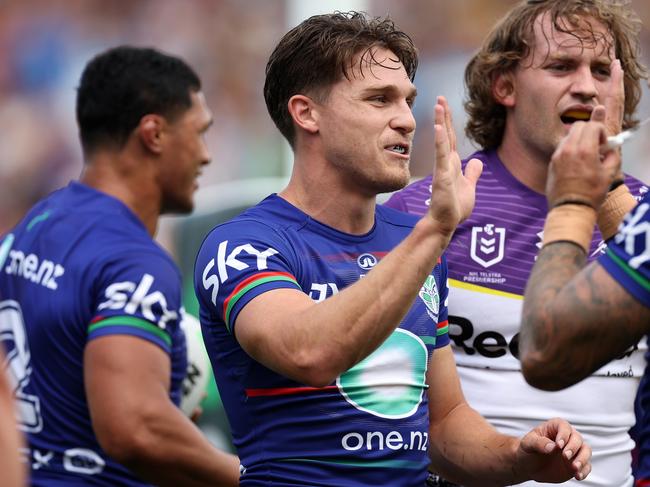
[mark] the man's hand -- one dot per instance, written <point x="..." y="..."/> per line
<point x="579" y="172"/>
<point x="554" y="452"/>
<point x="614" y="100"/>
<point x="452" y="193"/>
<point x="612" y="110"/>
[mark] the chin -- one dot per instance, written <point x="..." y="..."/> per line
<point x="178" y="207"/>
<point x="400" y="181"/>
<point x="388" y="186"/>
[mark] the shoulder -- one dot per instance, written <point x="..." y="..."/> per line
<point x="260" y="233"/>
<point x="267" y="222"/>
<point x="626" y="257"/>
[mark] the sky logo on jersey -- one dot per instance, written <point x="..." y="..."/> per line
<point x="131" y="298"/>
<point x="390" y="382"/>
<point x="227" y="260"/>
<point x="367" y="261"/>
<point x="485" y="242"/>
<point x="429" y="295"/>
<point x="636" y="235"/>
<point x="319" y="292"/>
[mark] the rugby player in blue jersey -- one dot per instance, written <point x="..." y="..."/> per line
<point x="91" y="305"/>
<point x="576" y="318"/>
<point x="325" y="316"/>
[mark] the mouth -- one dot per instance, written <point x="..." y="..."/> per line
<point x="400" y="149"/>
<point x="576" y="115"/>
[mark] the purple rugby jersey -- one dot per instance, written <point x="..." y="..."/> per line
<point x="489" y="259"/>
<point x="492" y="247"/>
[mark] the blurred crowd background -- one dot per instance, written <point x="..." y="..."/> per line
<point x="44" y="45"/>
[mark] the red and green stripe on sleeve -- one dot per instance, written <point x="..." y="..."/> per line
<point x="250" y="283"/>
<point x="129" y="325"/>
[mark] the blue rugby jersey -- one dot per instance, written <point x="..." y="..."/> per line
<point x="627" y="260"/>
<point x="370" y="426"/>
<point x="79" y="266"/>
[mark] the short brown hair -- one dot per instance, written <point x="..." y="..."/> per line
<point x="316" y="54"/>
<point x="511" y="40"/>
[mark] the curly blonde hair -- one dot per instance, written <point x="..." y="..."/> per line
<point x="511" y="40"/>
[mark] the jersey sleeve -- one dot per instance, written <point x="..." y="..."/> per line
<point x="138" y="293"/>
<point x="627" y="258"/>
<point x="442" y="329"/>
<point x="237" y="262"/>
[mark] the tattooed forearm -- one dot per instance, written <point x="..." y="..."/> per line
<point x="572" y="323"/>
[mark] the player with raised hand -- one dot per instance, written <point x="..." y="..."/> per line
<point x="325" y="315"/>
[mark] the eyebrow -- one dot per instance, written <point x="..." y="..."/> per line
<point x="393" y="89"/>
<point x="564" y="56"/>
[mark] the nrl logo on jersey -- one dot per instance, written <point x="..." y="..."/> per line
<point x="230" y="260"/>
<point x="488" y="245"/>
<point x="430" y="297"/>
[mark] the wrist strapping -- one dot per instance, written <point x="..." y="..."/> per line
<point x="617" y="204"/>
<point x="570" y="222"/>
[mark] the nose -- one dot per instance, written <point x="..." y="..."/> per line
<point x="584" y="84"/>
<point x="403" y="120"/>
<point x="205" y="157"/>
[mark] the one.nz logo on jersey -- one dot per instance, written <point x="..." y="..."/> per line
<point x="390" y="382"/>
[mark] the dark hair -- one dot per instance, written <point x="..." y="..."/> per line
<point x="316" y="54"/>
<point x="512" y="38"/>
<point x="120" y="86"/>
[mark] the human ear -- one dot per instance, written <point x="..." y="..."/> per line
<point x="304" y="113"/>
<point x="503" y="89"/>
<point x="150" y="132"/>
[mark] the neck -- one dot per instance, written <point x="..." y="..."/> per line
<point x="122" y="178"/>
<point x="527" y="166"/>
<point x="323" y="196"/>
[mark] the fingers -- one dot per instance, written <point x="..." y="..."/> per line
<point x="581" y="462"/>
<point x="585" y="137"/>
<point x="557" y="436"/>
<point x="576" y="452"/>
<point x="550" y="436"/>
<point x="614" y="101"/>
<point x="599" y="114"/>
<point x="451" y="134"/>
<point x="473" y="171"/>
<point x="442" y="144"/>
